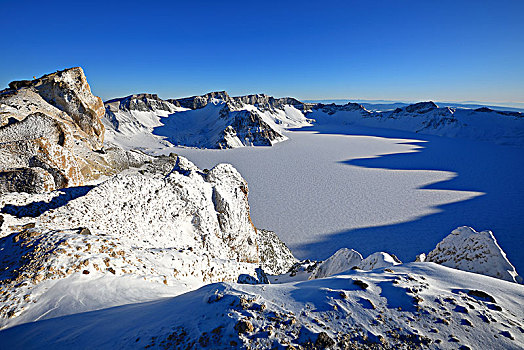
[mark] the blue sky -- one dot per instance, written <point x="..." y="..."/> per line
<point x="384" y="49"/>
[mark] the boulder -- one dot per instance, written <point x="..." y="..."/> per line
<point x="468" y="250"/>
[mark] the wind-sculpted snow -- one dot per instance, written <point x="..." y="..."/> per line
<point x="168" y="223"/>
<point x="417" y="305"/>
<point x="464" y="249"/>
<point x="378" y="260"/>
<point x="468" y="250"/>
<point x="343" y="260"/>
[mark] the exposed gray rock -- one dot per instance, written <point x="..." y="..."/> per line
<point x="196" y="102"/>
<point x="30" y="180"/>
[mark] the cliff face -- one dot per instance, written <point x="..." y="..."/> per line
<point x="51" y="128"/>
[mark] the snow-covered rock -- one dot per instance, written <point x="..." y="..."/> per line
<point x="378" y="260"/>
<point x="344" y="259"/>
<point x="275" y="256"/>
<point x="50" y="128"/>
<point x="468" y="250"/>
<point x="169" y="223"/>
<point x="427" y="118"/>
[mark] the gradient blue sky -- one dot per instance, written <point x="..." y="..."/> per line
<point x="384" y="49"/>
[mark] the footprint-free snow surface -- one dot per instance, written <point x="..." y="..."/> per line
<point x="373" y="189"/>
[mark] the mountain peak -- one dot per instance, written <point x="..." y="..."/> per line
<point x="421" y="107"/>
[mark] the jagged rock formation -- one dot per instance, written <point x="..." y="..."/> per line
<point x="468" y="250"/>
<point x="213" y="120"/>
<point x="51" y="131"/>
<point x="140" y="102"/>
<point x="197" y="102"/>
<point x="217" y="120"/>
<point x="169" y="223"/>
<point x="67" y="91"/>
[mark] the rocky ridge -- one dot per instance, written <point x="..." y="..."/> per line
<point x="468" y="250"/>
<point x="217" y="120"/>
<point x="213" y="120"/>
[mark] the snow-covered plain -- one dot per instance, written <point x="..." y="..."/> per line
<point x="374" y="189"/>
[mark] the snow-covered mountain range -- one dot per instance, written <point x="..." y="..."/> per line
<point x="216" y="120"/>
<point x="105" y="246"/>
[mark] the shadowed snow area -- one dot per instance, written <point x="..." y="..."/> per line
<point x="377" y="189"/>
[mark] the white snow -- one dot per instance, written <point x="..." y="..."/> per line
<point x="417" y="304"/>
<point x="378" y="189"/>
<point x="343" y="260"/>
<point x="468" y="250"/>
<point x="377" y="260"/>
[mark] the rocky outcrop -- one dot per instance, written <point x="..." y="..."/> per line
<point x="468" y="250"/>
<point x="275" y="256"/>
<point x="197" y="102"/>
<point x="51" y="129"/>
<point x="213" y="120"/>
<point x="168" y="223"/>
<point x="140" y="102"/>
<point x="247" y="128"/>
<point x="428" y="118"/>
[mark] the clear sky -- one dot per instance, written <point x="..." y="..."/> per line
<point x="368" y="49"/>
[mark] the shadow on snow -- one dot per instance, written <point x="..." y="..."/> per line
<point x="483" y="167"/>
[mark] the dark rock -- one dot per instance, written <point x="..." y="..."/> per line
<point x="361" y="284"/>
<point x="478" y="294"/>
<point x="244" y="326"/>
<point x="324" y="341"/>
<point x="84" y="231"/>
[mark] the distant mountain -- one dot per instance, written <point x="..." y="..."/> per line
<point x="484" y="124"/>
<point x="213" y="120"/>
<point x="385" y="105"/>
<point x="216" y="120"/>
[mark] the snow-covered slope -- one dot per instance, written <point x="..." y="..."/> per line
<point x="427" y="118"/>
<point x="214" y="120"/>
<point x="129" y="121"/>
<point x="417" y="305"/>
<point x="167" y="224"/>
